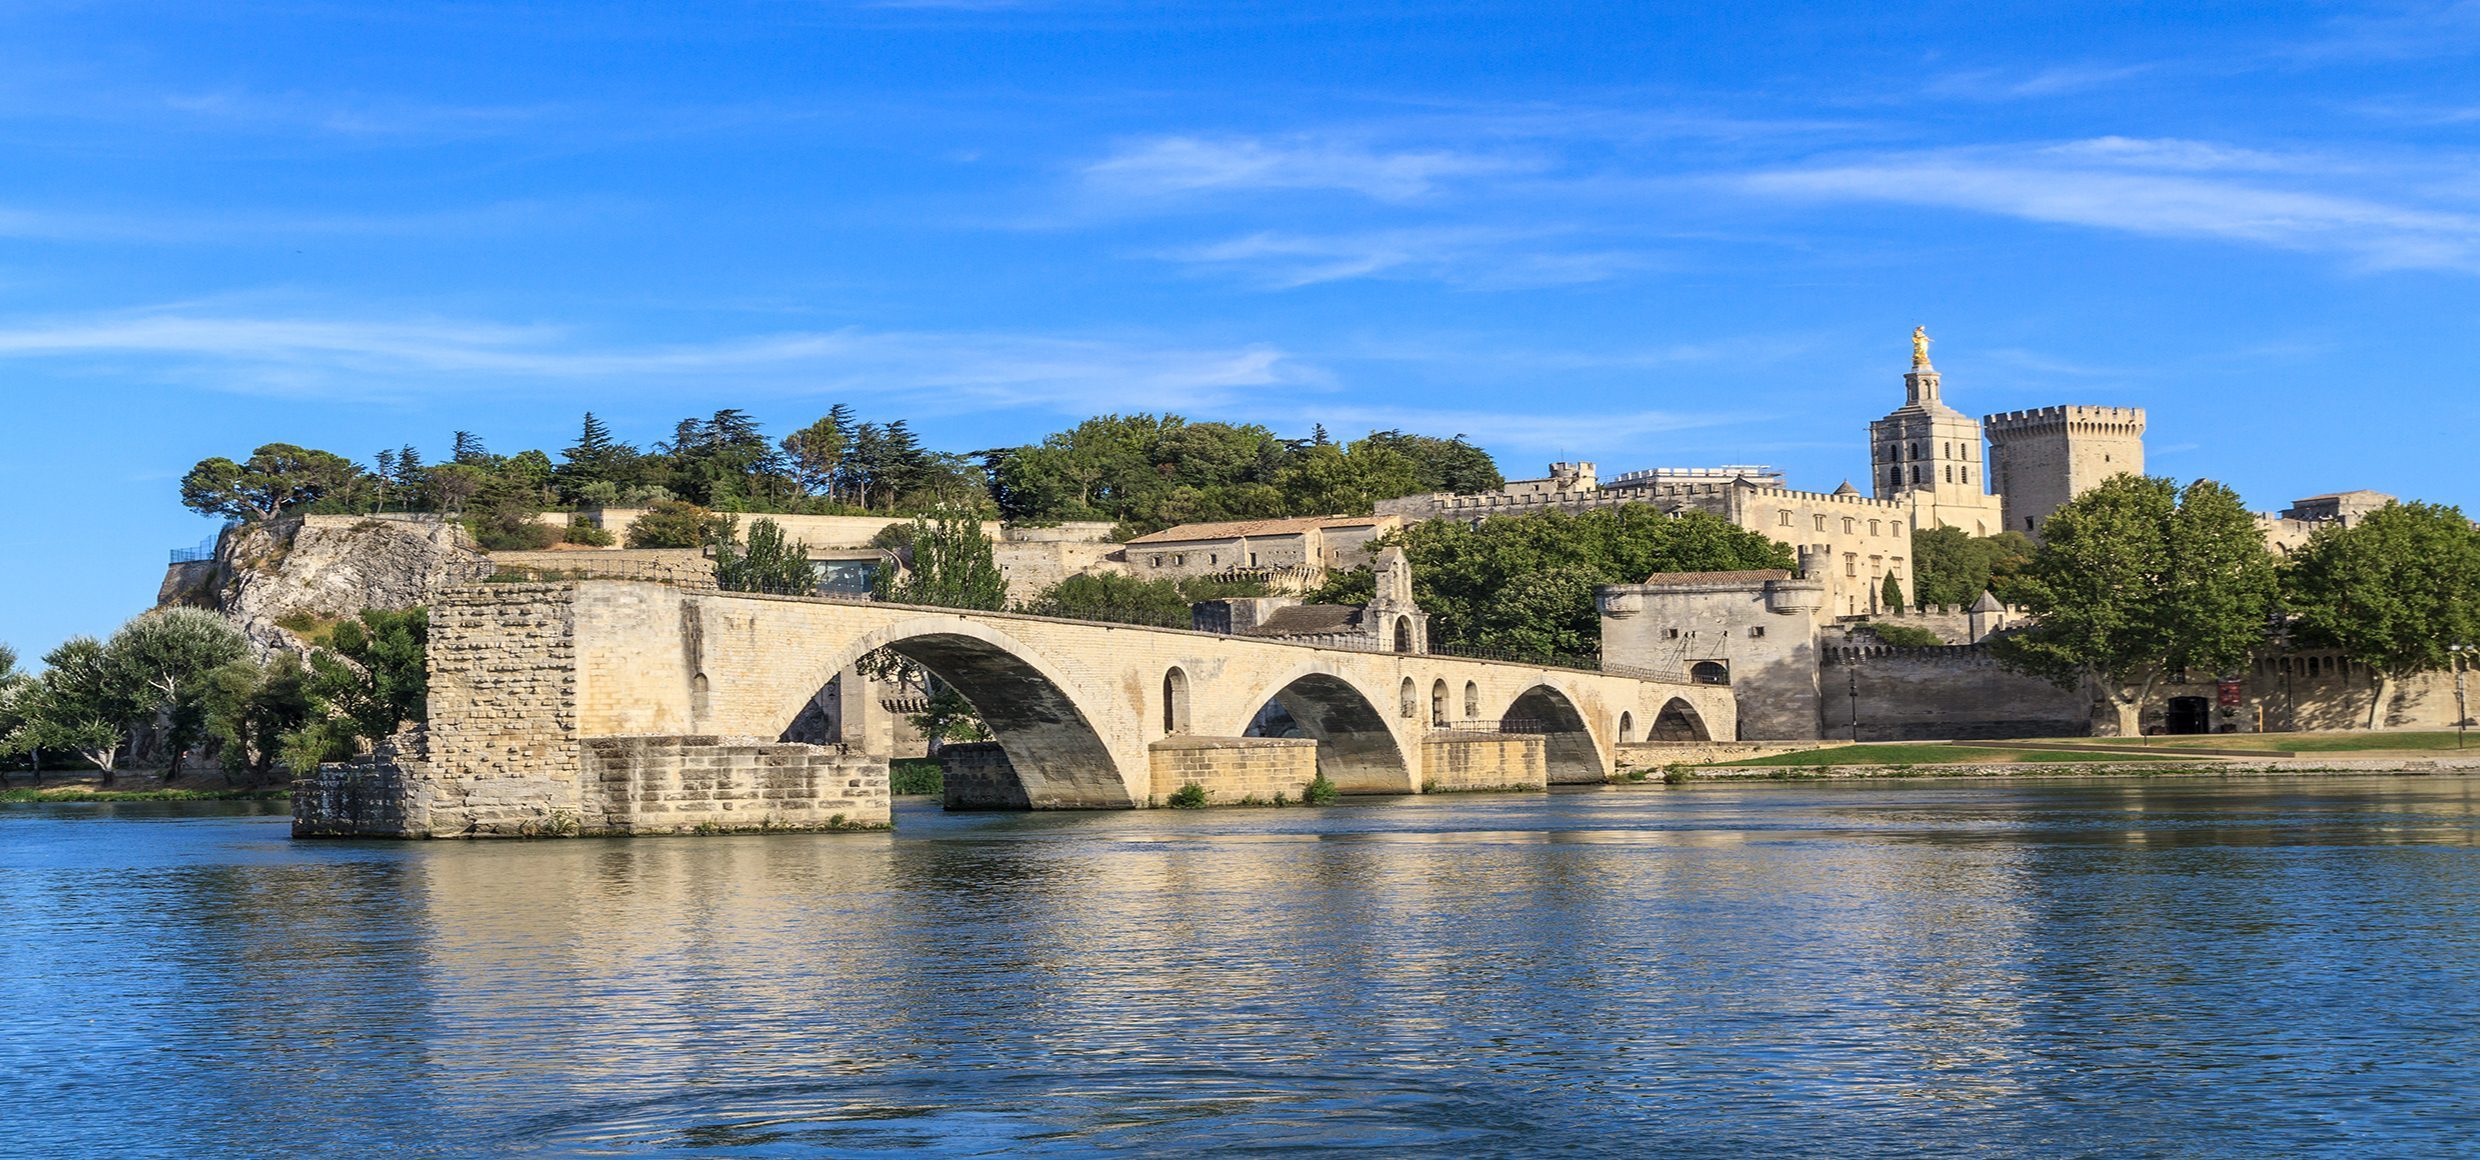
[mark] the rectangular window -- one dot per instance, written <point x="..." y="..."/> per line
<point x="1821" y="523"/>
<point x="1851" y="564"/>
<point x="1785" y="521"/>
<point x="1873" y="527"/>
<point x="1756" y="631"/>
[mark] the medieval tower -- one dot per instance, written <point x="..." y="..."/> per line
<point x="2042" y="458"/>
<point x="1929" y="455"/>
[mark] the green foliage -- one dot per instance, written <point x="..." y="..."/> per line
<point x="1325" y="478"/>
<point x="589" y="534"/>
<point x="1357" y="585"/>
<point x="2137" y="578"/>
<point x="1441" y="464"/>
<point x="249" y="709"/>
<point x="2391" y="591"/>
<point x="675" y="524"/>
<point x="1188" y="797"/>
<point x="948" y="717"/>
<point x="275" y="479"/>
<point x="1890" y="593"/>
<point x="915" y="775"/>
<point x="1903" y="635"/>
<point x="1320" y="791"/>
<point x="1128" y="600"/>
<point x="1526" y="582"/>
<point x="770" y="564"/>
<point x="950" y="566"/>
<point x="1953" y="567"/>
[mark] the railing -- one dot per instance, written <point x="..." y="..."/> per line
<point x="205" y="549"/>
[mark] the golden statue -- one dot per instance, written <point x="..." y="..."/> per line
<point x="1920" y="347"/>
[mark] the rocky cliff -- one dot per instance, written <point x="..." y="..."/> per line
<point x="319" y="568"/>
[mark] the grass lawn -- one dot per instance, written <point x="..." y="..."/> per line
<point x="1898" y="753"/>
<point x="77" y="794"/>
<point x="2292" y="742"/>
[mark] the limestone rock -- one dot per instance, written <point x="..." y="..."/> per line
<point x="327" y="567"/>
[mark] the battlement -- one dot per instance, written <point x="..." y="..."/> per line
<point x="2129" y="420"/>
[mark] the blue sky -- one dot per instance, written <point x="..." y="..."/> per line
<point x="1619" y="232"/>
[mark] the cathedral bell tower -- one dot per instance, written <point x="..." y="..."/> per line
<point x="1930" y="453"/>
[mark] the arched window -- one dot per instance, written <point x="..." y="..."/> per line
<point x="1410" y="696"/>
<point x="1950" y="473"/>
<point x="1438" y="703"/>
<point x="1403" y="634"/>
<point x="1710" y="673"/>
<point x="1175" y="701"/>
<point x="1472" y="701"/>
<point x="1627" y="727"/>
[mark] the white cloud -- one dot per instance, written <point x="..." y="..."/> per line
<point x="1475" y="256"/>
<point x="936" y="371"/>
<point x="2168" y="199"/>
<point x="1170" y="166"/>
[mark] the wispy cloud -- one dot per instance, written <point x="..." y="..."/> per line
<point x="1591" y="431"/>
<point x="935" y="371"/>
<point x="1170" y="166"/>
<point x="1469" y="256"/>
<point x="2175" y="189"/>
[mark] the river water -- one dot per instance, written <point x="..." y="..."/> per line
<point x="2091" y="966"/>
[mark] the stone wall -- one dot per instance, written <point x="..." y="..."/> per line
<point x="683" y="567"/>
<point x="1233" y="769"/>
<point x="691" y="784"/>
<point x="503" y="693"/>
<point x="976" y="775"/>
<point x="1657" y="754"/>
<point x="1452" y="762"/>
<point x="376" y="795"/>
<point x="1953" y="692"/>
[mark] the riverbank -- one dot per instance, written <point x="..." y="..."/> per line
<point x="86" y="794"/>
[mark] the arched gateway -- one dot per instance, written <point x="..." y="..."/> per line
<point x="627" y="707"/>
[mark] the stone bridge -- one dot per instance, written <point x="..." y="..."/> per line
<point x="578" y="707"/>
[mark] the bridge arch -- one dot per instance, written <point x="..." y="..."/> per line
<point x="1679" y="721"/>
<point x="1569" y="746"/>
<point x="1358" y="748"/>
<point x="1056" y="756"/>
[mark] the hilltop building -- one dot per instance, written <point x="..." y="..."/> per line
<point x="1307" y="544"/>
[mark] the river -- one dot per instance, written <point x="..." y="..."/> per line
<point x="2041" y="967"/>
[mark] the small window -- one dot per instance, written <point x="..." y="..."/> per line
<point x="1755" y="631"/>
<point x="1967" y="474"/>
<point x="1670" y="634"/>
<point x="1215" y="558"/>
<point x="1873" y="527"/>
<point x="1158" y="561"/>
<point x="1851" y="564"/>
<point x="1784" y="519"/>
<point x="1850" y="525"/>
<point x="1821" y="523"/>
<point x="1950" y="473"/>
<point x="1915" y="473"/>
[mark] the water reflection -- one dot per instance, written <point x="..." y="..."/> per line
<point x="2109" y="965"/>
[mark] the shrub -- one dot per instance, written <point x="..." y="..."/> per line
<point x="915" y="775"/>
<point x="588" y="534"/>
<point x="1903" y="635"/>
<point x="673" y="524"/>
<point x="1319" y="792"/>
<point x="1187" y="797"/>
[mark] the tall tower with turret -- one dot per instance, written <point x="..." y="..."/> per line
<point x="2042" y="458"/>
<point x="1930" y="454"/>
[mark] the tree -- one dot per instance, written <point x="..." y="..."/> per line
<point x="452" y="485"/>
<point x="1441" y="464"/>
<point x="1953" y="567"/>
<point x="2390" y="592"/>
<point x="1326" y="479"/>
<point x="277" y="478"/>
<point x="154" y="665"/>
<point x="2137" y="579"/>
<point x="249" y="709"/>
<point x="672" y="523"/>
<point x="769" y="565"/>
<point x="466" y="447"/>
<point x="1890" y="594"/>
<point x="1526" y="582"/>
<point x="816" y="452"/>
<point x="78" y="705"/>
<point x="951" y="566"/>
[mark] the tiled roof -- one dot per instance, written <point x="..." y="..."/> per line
<point x="1685" y="578"/>
<point x="1190" y="533"/>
